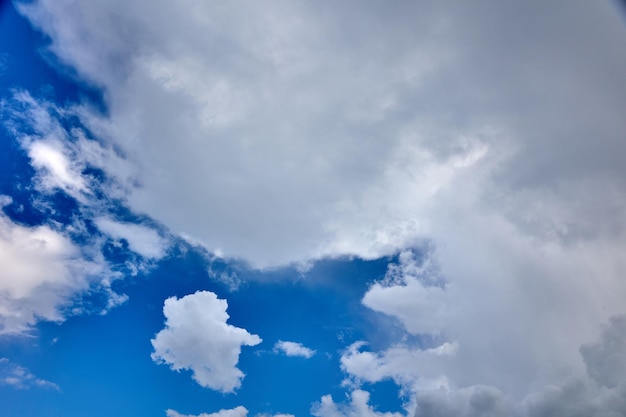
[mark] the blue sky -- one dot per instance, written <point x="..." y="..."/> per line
<point x="291" y="208"/>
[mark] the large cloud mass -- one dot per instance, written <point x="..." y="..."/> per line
<point x="197" y="337"/>
<point x="282" y="132"/>
<point x="347" y="129"/>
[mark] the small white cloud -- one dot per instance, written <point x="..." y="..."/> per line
<point x="141" y="239"/>
<point x="21" y="378"/>
<point x="239" y="411"/>
<point x="358" y="407"/>
<point x="197" y="337"/>
<point x="293" y="349"/>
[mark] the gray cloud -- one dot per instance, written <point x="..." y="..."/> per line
<point x="606" y="359"/>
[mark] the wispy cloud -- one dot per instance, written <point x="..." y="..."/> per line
<point x="19" y="377"/>
<point x="234" y="412"/>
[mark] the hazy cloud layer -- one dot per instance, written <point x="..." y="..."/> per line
<point x="19" y="377"/>
<point x="196" y="337"/>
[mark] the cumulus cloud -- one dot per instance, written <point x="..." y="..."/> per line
<point x="358" y="407"/>
<point x="239" y="411"/>
<point x="42" y="269"/>
<point x="196" y="337"/>
<point x="338" y="137"/>
<point x="293" y="349"/>
<point x="506" y="330"/>
<point x="598" y="393"/>
<point x="19" y="377"/>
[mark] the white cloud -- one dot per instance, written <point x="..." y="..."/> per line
<point x="21" y="378"/>
<point x="498" y="308"/>
<point x="293" y="349"/>
<point x="141" y="239"/>
<point x="287" y="132"/>
<point x="421" y="308"/>
<point x="41" y="271"/>
<point x="239" y="411"/>
<point x="358" y="407"/>
<point x="411" y="368"/>
<point x="196" y="337"/>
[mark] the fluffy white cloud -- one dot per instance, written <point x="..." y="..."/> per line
<point x="41" y="271"/>
<point x="239" y="411"/>
<point x="21" y="378"/>
<point x="293" y="349"/>
<point x="197" y="337"/>
<point x="141" y="239"/>
<point x="500" y="316"/>
<point x="358" y="407"/>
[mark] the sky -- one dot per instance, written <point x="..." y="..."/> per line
<point x="301" y="208"/>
